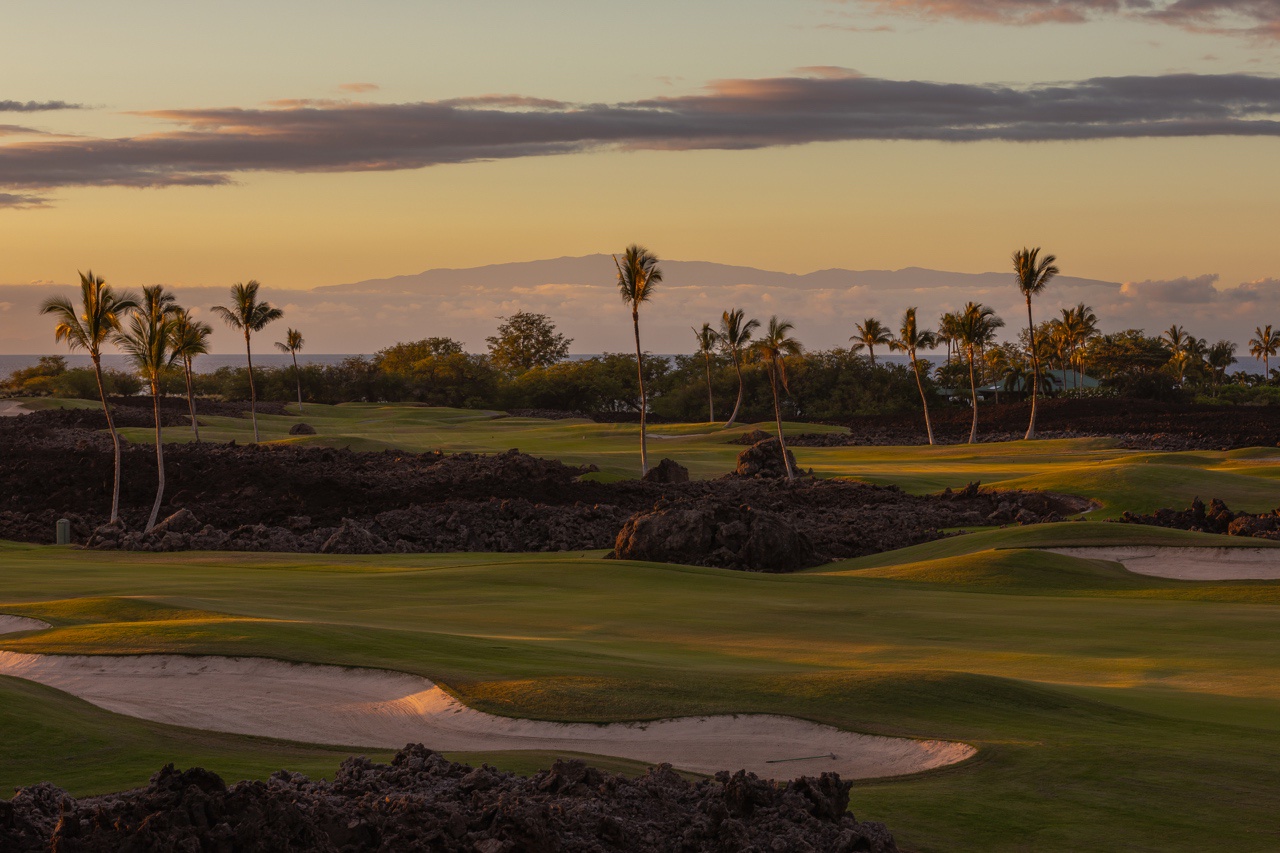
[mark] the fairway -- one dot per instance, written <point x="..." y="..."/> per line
<point x="1109" y="709"/>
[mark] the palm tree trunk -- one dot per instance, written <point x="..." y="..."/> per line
<point x="711" y="401"/>
<point x="737" y="365"/>
<point x="115" y="437"/>
<point x="777" y="417"/>
<point x="155" y="401"/>
<point x="973" y="390"/>
<point x="298" y="376"/>
<point x="253" y="393"/>
<point x="928" y="427"/>
<point x="191" y="397"/>
<point x="1035" y="376"/>
<point x="644" y="402"/>
<point x="871" y="351"/>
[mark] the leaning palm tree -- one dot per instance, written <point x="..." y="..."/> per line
<point x="190" y="338"/>
<point x="978" y="324"/>
<point x="248" y="315"/>
<point x="871" y="334"/>
<point x="1033" y="274"/>
<point x="293" y="345"/>
<point x="148" y="343"/>
<point x="910" y="338"/>
<point x="638" y="272"/>
<point x="87" y="328"/>
<point x="775" y="345"/>
<point x="707" y="340"/>
<point x="735" y="334"/>
<point x="1263" y="346"/>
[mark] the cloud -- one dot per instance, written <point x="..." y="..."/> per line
<point x="21" y="201"/>
<point x="358" y="88"/>
<point x="1258" y="18"/>
<point x="1259" y="289"/>
<point x="36" y="106"/>
<point x="210" y="147"/>
<point x="1182" y="290"/>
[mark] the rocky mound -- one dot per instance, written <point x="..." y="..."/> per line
<point x="422" y="802"/>
<point x="1216" y="518"/>
<point x="764" y="459"/>
<point x="707" y="533"/>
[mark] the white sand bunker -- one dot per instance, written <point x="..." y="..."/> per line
<point x="13" y="624"/>
<point x="12" y="408"/>
<point x="1192" y="564"/>
<point x="375" y="708"/>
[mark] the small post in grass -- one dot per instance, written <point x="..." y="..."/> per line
<point x="64" y="531"/>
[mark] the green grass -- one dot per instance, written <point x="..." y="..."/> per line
<point x="1112" y="711"/>
<point x="1118" y="479"/>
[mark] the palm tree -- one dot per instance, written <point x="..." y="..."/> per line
<point x="1083" y="326"/>
<point x="638" y="272"/>
<point x="96" y="320"/>
<point x="776" y="345"/>
<point x="707" y="340"/>
<point x="871" y="333"/>
<point x="1033" y="275"/>
<point x="911" y="338"/>
<point x="978" y="324"/>
<point x="148" y="342"/>
<point x="948" y="324"/>
<point x="190" y="339"/>
<point x="735" y="334"/>
<point x="248" y="315"/>
<point x="293" y="345"/>
<point x="1263" y="346"/>
<point x="1219" y="357"/>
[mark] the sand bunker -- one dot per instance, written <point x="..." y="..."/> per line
<point x="1193" y="564"/>
<point x="376" y="708"/>
<point x="12" y="408"/>
<point x="13" y="624"/>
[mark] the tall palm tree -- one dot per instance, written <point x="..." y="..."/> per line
<point x="1083" y="325"/>
<point x="1219" y="357"/>
<point x="248" y="315"/>
<point x="978" y="324"/>
<point x="148" y="342"/>
<point x="638" y="272"/>
<point x="735" y="334"/>
<point x="190" y="339"/>
<point x="1265" y="344"/>
<point x="775" y="345"/>
<point x="87" y="328"/>
<point x="871" y="334"/>
<point x="707" y="340"/>
<point x="293" y="345"/>
<point x="948" y="324"/>
<point x="1033" y="274"/>
<point x="910" y="338"/>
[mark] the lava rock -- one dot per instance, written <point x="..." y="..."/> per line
<point x="764" y="459"/>
<point x="667" y="471"/>
<point x="731" y="537"/>
<point x="302" y="429"/>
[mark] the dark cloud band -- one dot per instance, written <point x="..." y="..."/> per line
<point x="35" y="106"/>
<point x="1250" y="17"/>
<point x="212" y="146"/>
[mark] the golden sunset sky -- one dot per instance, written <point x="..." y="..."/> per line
<point x="318" y="143"/>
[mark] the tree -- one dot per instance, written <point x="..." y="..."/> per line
<point x="148" y="343"/>
<point x="1033" y="274"/>
<point x="910" y="338"/>
<point x="101" y="309"/>
<point x="871" y="334"/>
<point x="401" y="357"/>
<point x="1264" y="345"/>
<point x="772" y="348"/>
<point x="638" y="272"/>
<point x="526" y="340"/>
<point x="292" y="344"/>
<point x="248" y="315"/>
<point x="1082" y="326"/>
<point x="1219" y="357"/>
<point x="735" y="336"/>
<point x="978" y="324"/>
<point x="190" y="338"/>
<point x="707" y="340"/>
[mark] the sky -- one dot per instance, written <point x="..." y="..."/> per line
<point x="308" y="144"/>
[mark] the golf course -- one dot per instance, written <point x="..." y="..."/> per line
<point x="1092" y="707"/>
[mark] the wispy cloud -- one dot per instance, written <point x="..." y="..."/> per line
<point x="358" y="88"/>
<point x="1181" y="290"/>
<point x="36" y="106"/>
<point x="1259" y="18"/>
<point x="208" y="147"/>
<point x="22" y="201"/>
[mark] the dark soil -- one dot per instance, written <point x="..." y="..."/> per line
<point x="1216" y="518"/>
<point x="1138" y="424"/>
<point x="312" y="499"/>
<point x="422" y="802"/>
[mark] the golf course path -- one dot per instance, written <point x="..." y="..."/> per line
<point x="377" y="708"/>
<point x="1192" y="564"/>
